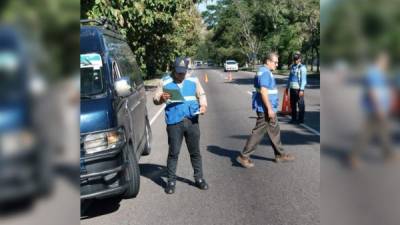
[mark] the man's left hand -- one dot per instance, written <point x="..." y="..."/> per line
<point x="301" y="93"/>
<point x="203" y="109"/>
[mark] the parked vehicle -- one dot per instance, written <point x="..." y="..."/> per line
<point x="24" y="164"/>
<point x="114" y="124"/>
<point x="231" y="65"/>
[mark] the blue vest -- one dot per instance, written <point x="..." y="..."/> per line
<point x="377" y="82"/>
<point x="176" y="112"/>
<point x="297" y="77"/>
<point x="264" y="78"/>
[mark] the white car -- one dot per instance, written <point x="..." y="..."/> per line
<point x="231" y="65"/>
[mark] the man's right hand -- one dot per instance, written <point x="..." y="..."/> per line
<point x="165" y="96"/>
<point x="271" y="115"/>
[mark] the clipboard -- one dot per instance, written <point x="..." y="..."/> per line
<point x="175" y="95"/>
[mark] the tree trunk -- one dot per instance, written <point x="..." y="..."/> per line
<point x="317" y="60"/>
<point x="312" y="59"/>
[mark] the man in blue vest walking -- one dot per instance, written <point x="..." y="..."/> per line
<point x="296" y="83"/>
<point x="265" y="102"/>
<point x="182" y="118"/>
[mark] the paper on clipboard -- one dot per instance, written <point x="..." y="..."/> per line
<point x="175" y="95"/>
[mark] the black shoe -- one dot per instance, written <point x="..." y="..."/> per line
<point x="201" y="184"/>
<point x="170" y="187"/>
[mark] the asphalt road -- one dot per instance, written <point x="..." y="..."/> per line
<point x="269" y="193"/>
<point x="368" y="195"/>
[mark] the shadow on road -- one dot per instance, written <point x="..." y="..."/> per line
<point x="288" y="138"/>
<point x="158" y="174"/>
<point x="16" y="207"/>
<point x="99" y="207"/>
<point x="70" y="172"/>
<point x="233" y="154"/>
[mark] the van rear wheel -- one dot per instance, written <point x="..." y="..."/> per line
<point x="132" y="173"/>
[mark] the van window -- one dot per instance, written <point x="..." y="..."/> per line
<point x="122" y="53"/>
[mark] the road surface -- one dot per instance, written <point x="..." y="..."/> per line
<point x="269" y="193"/>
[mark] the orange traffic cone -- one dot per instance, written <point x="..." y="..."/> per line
<point x="286" y="109"/>
<point x="205" y="78"/>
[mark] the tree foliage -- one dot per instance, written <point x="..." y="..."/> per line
<point x="156" y="30"/>
<point x="244" y="29"/>
<point x="356" y="30"/>
<point x="50" y="32"/>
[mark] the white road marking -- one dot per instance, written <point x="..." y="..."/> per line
<point x="157" y="114"/>
<point x="302" y="124"/>
<point x="310" y="129"/>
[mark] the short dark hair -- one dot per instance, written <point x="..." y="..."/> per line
<point x="269" y="56"/>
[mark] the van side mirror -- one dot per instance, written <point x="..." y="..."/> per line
<point x="123" y="87"/>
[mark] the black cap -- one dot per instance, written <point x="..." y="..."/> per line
<point x="296" y="56"/>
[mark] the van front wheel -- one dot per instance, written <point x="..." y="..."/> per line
<point x="132" y="173"/>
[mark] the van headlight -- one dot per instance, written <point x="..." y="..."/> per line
<point x="16" y="142"/>
<point x="97" y="142"/>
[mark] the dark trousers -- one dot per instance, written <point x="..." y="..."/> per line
<point x="190" y="130"/>
<point x="296" y="100"/>
<point x="264" y="127"/>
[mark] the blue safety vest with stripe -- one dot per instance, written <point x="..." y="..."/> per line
<point x="175" y="112"/>
<point x="264" y="78"/>
<point x="297" y="77"/>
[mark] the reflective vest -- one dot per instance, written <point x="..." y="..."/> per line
<point x="175" y="112"/>
<point x="264" y="78"/>
<point x="297" y="79"/>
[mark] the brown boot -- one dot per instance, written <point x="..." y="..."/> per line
<point x="286" y="157"/>
<point x="392" y="158"/>
<point x="245" y="161"/>
<point x="354" y="162"/>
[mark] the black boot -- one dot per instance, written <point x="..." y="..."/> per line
<point x="170" y="187"/>
<point x="201" y="184"/>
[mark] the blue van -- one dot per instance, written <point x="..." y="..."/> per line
<point x="24" y="162"/>
<point x="114" y="125"/>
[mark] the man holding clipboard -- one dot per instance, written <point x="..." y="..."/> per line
<point x="185" y="99"/>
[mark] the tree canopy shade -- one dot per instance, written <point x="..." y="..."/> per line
<point x="247" y="29"/>
<point x="156" y="30"/>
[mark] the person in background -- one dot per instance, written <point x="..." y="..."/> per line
<point x="296" y="83"/>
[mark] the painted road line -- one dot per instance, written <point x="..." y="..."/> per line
<point x="310" y="129"/>
<point x="157" y="114"/>
<point x="302" y="124"/>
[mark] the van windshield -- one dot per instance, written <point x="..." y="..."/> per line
<point x="10" y="75"/>
<point x="230" y="62"/>
<point x="92" y="82"/>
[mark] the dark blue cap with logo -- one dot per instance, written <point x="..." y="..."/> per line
<point x="181" y="65"/>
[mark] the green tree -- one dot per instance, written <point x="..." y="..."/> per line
<point x="156" y="30"/>
<point x="254" y="27"/>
